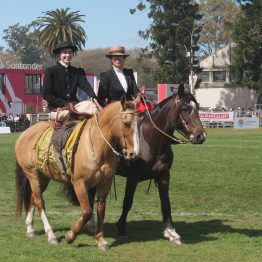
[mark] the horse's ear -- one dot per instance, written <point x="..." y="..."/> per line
<point x="181" y="90"/>
<point x="123" y="102"/>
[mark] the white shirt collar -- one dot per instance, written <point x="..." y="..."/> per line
<point x="63" y="64"/>
<point x="121" y="77"/>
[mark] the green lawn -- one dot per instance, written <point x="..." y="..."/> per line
<point x="216" y="201"/>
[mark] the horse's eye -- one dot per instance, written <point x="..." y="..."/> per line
<point x="127" y="125"/>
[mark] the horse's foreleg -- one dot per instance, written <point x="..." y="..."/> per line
<point x="91" y="224"/>
<point x="81" y="193"/>
<point x="102" y="192"/>
<point x="131" y="185"/>
<point x="169" y="229"/>
<point x="101" y="242"/>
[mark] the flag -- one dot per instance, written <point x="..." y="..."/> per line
<point x="143" y="89"/>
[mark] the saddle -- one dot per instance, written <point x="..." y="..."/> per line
<point x="64" y="124"/>
<point x="67" y="118"/>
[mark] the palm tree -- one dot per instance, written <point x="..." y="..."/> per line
<point x="60" y="25"/>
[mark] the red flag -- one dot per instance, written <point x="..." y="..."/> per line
<point x="143" y="89"/>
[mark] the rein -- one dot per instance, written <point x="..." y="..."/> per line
<point x="177" y="140"/>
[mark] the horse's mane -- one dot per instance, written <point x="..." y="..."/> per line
<point x="111" y="107"/>
<point x="187" y="96"/>
<point x="163" y="102"/>
<point x="113" y="104"/>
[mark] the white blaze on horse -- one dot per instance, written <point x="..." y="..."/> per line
<point x="92" y="165"/>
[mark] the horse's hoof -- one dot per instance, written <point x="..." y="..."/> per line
<point x="30" y="234"/>
<point x="122" y="238"/>
<point x="53" y="241"/>
<point x="70" y="237"/>
<point x="176" y="241"/>
<point x="104" y="247"/>
<point x="69" y="240"/>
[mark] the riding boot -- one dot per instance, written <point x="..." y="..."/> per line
<point x="59" y="139"/>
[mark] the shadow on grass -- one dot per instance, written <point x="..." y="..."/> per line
<point x="151" y="230"/>
<point x="191" y="233"/>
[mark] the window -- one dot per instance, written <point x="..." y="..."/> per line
<point x="2" y="86"/>
<point x="204" y="76"/>
<point x="219" y="76"/>
<point x="33" y="84"/>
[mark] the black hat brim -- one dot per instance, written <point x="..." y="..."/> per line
<point x="58" y="48"/>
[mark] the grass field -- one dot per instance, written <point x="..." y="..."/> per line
<point x="216" y="196"/>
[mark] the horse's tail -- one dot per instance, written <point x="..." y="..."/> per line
<point x="68" y="191"/>
<point x="23" y="191"/>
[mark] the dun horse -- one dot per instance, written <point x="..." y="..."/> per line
<point x="178" y="112"/>
<point x="93" y="166"/>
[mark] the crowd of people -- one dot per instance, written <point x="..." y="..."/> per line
<point x="17" y="123"/>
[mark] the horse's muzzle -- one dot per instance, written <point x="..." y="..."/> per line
<point x="199" y="139"/>
<point x="129" y="155"/>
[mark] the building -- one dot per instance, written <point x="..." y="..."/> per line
<point x="21" y="85"/>
<point x="215" y="89"/>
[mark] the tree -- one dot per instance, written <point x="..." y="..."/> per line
<point x="218" y="24"/>
<point x="173" y="33"/>
<point x="61" y="25"/>
<point x="247" y="57"/>
<point x="23" y="43"/>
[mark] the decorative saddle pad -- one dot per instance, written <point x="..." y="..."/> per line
<point x="47" y="156"/>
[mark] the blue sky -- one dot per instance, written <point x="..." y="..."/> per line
<point x="107" y="23"/>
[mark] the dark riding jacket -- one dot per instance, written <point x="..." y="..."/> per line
<point x="110" y="88"/>
<point x="61" y="83"/>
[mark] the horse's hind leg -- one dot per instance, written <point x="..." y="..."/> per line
<point x="81" y="193"/>
<point x="169" y="229"/>
<point x="30" y="232"/>
<point x="38" y="184"/>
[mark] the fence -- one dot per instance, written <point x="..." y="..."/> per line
<point x="35" y="118"/>
<point x="227" y="119"/>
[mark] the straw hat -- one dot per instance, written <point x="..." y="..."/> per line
<point x="117" y="50"/>
<point x="64" y="45"/>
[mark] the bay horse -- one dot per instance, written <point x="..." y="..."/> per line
<point x="112" y="129"/>
<point x="177" y="112"/>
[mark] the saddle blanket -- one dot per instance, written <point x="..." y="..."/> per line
<point x="47" y="156"/>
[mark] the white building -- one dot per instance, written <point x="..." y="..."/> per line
<point x="215" y="90"/>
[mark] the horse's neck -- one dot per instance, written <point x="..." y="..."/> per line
<point x="103" y="119"/>
<point x="95" y="136"/>
<point x="161" y="121"/>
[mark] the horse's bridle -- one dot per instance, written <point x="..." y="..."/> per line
<point x="184" y="122"/>
<point x="122" y="138"/>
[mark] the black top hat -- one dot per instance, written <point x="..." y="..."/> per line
<point x="64" y="45"/>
